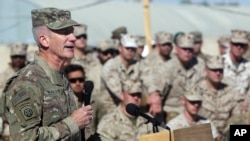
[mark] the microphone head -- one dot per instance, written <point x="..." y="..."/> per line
<point x="132" y="109"/>
<point x="88" y="86"/>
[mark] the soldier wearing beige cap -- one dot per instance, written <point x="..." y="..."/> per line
<point x="223" y="44"/>
<point x="198" y="42"/>
<point x="18" y="61"/>
<point x="106" y="50"/>
<point x="141" y="42"/>
<point x="179" y="74"/>
<point x="236" y="67"/>
<point x="123" y="126"/>
<point x="219" y="99"/>
<point x="191" y="101"/>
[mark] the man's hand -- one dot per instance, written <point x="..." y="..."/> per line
<point x="83" y="116"/>
<point x="155" y="103"/>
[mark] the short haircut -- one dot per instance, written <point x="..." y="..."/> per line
<point x="72" y="68"/>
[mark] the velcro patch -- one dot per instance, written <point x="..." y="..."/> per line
<point x="28" y="112"/>
<point x="17" y="98"/>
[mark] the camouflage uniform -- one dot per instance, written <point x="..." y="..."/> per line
<point x="237" y="77"/>
<point x="37" y="103"/>
<point x="15" y="49"/>
<point x="113" y="73"/>
<point x="122" y="128"/>
<point x="218" y="105"/>
<point x="173" y="80"/>
<point x="181" y="122"/>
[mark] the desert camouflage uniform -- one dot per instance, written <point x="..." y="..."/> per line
<point x="181" y="122"/>
<point x="172" y="80"/>
<point x="118" y="127"/>
<point x="218" y="105"/>
<point x="4" y="76"/>
<point x="113" y="73"/>
<point x="237" y="77"/>
<point x="37" y="102"/>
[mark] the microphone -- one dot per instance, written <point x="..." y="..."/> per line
<point x="88" y="88"/>
<point x="134" y="110"/>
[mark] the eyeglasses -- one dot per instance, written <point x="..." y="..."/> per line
<point x="240" y="45"/>
<point x="111" y="51"/>
<point x="194" y="102"/>
<point x="85" y="36"/>
<point x="74" y="80"/>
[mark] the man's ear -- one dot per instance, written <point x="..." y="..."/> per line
<point x="44" y="40"/>
<point x="183" y="100"/>
<point x="122" y="96"/>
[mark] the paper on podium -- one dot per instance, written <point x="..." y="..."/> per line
<point x="200" y="132"/>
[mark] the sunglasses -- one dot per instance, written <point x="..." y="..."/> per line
<point x="82" y="36"/>
<point x="240" y="45"/>
<point x="166" y="44"/>
<point x="195" y="102"/>
<point x="111" y="51"/>
<point x="74" y="80"/>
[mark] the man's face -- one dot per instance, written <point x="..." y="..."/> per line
<point x="134" y="98"/>
<point x="76" y="80"/>
<point x="197" y="47"/>
<point x="238" y="49"/>
<point x="18" y="61"/>
<point x="127" y="53"/>
<point x="214" y="75"/>
<point x="139" y="50"/>
<point x="106" y="55"/>
<point x="192" y="107"/>
<point x="222" y="49"/>
<point x="81" y="42"/>
<point x="165" y="49"/>
<point x="62" y="43"/>
<point x="185" y="54"/>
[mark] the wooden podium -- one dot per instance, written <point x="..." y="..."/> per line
<point x="200" y="132"/>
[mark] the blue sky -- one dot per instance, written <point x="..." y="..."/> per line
<point x="242" y="2"/>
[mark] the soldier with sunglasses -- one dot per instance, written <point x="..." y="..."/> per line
<point x="236" y="67"/>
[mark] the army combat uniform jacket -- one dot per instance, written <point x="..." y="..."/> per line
<point x="37" y="102"/>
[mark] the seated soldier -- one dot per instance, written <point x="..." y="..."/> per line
<point x="121" y="126"/>
<point x="191" y="102"/>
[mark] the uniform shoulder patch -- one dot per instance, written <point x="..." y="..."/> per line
<point x="28" y="112"/>
<point x="19" y="97"/>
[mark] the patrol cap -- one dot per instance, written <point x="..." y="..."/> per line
<point x="177" y="35"/>
<point x="194" y="94"/>
<point x="106" y="44"/>
<point x="80" y="30"/>
<point x="239" y="36"/>
<point x="197" y="36"/>
<point x="163" y="37"/>
<point x="214" y="62"/>
<point x="18" y="49"/>
<point x="128" y="40"/>
<point x="185" y="41"/>
<point x="224" y="41"/>
<point x="116" y="33"/>
<point x="140" y="41"/>
<point x="132" y="86"/>
<point x="53" y="18"/>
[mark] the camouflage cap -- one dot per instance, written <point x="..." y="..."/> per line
<point x="185" y="41"/>
<point x="163" y="37"/>
<point x="239" y="36"/>
<point x="80" y="30"/>
<point x="118" y="31"/>
<point x="18" y="49"/>
<point x="194" y="94"/>
<point x="140" y="41"/>
<point x="53" y="18"/>
<point x="132" y="86"/>
<point x="106" y="44"/>
<point x="128" y="40"/>
<point x="224" y="41"/>
<point x="214" y="62"/>
<point x="177" y="35"/>
<point x="197" y="36"/>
